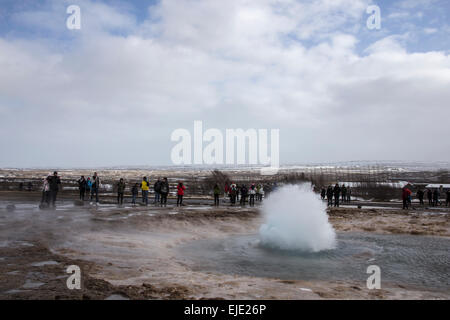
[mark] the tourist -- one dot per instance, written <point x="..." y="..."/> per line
<point x="120" y="191"/>
<point x="216" y="192"/>
<point x="243" y="192"/>
<point x="95" y="187"/>
<point x="430" y="197"/>
<point x="344" y="193"/>
<point x="180" y="193"/>
<point x="54" y="182"/>
<point x="233" y="194"/>
<point x="330" y="195"/>
<point x="46" y="191"/>
<point x="337" y="193"/>
<point x="164" y="191"/>
<point x="260" y="193"/>
<point x="420" y="194"/>
<point x="406" y="193"/>
<point x="134" y="193"/>
<point x="82" y="187"/>
<point x="227" y="190"/>
<point x="323" y="193"/>
<point x="252" y="193"/>
<point x="145" y="186"/>
<point x="436" y="197"/>
<point x="88" y="186"/>
<point x="157" y="189"/>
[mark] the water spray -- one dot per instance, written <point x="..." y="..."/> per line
<point x="296" y="219"/>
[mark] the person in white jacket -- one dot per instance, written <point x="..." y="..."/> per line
<point x="45" y="192"/>
<point x="252" y="193"/>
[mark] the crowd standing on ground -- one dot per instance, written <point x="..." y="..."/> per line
<point x="233" y="191"/>
<point x="340" y="194"/>
<point x="242" y="194"/>
<point x="433" y="196"/>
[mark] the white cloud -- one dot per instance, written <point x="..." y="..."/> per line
<point x="430" y="30"/>
<point x="411" y="4"/>
<point x="116" y="98"/>
<point x="399" y="15"/>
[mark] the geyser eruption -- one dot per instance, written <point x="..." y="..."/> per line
<point x="296" y="219"/>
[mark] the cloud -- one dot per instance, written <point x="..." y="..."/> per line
<point x="412" y="4"/>
<point x="103" y="97"/>
<point x="430" y="30"/>
<point x="96" y="17"/>
<point x="399" y="15"/>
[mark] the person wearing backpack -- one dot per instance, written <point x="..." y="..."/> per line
<point x="134" y="193"/>
<point x="157" y="189"/>
<point x="180" y="193"/>
<point x="406" y="194"/>
<point x="164" y="191"/>
<point x="120" y="191"/>
<point x="145" y="187"/>
<point x="216" y="192"/>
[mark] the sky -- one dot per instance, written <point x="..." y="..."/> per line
<point x="112" y="92"/>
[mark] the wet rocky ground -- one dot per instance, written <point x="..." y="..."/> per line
<point x="129" y="252"/>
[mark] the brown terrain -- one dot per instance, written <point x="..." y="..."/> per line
<point x="133" y="252"/>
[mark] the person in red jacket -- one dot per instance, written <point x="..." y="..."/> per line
<point x="227" y="190"/>
<point x="180" y="193"/>
<point x="406" y="195"/>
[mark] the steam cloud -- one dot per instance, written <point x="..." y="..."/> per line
<point x="296" y="219"/>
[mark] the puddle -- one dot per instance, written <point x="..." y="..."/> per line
<point x="13" y="272"/>
<point x="421" y="262"/>
<point x="14" y="244"/>
<point x="116" y="297"/>
<point x="32" y="285"/>
<point x="14" y="291"/>
<point x="44" y="263"/>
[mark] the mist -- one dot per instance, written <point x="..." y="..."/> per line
<point x="296" y="219"/>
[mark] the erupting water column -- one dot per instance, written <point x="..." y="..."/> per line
<point x="296" y="219"/>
